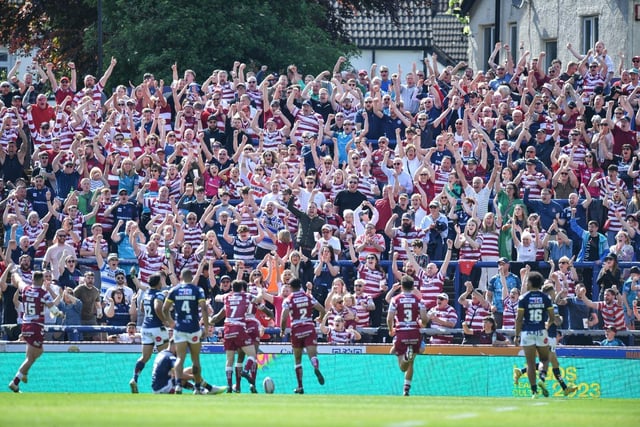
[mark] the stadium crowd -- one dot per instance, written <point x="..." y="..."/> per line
<point x="267" y="177"/>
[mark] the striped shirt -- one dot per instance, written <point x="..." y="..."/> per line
<point x="530" y="181"/>
<point x="612" y="315"/>
<point x="467" y="252"/>
<point x="310" y="123"/>
<point x="607" y="186"/>
<point x="372" y="280"/>
<point x="430" y="288"/>
<point x="362" y="314"/>
<point x="149" y="264"/>
<point x="244" y="249"/>
<point x="489" y="246"/>
<point x="448" y="315"/>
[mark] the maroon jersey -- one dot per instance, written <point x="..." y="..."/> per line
<point x="236" y="306"/>
<point x="34" y="300"/>
<point x="300" y="307"/>
<point x="406" y="308"/>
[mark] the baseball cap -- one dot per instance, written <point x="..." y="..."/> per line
<point x="611" y="256"/>
<point x="635" y="269"/>
<point x="434" y="204"/>
<point x="541" y="131"/>
<point x="123" y="191"/>
<point x="443" y="295"/>
<point x="472" y="162"/>
<point x="406" y="216"/>
<point x="531" y="162"/>
<point x="503" y="260"/>
<point x="571" y="104"/>
<point x="64" y="79"/>
<point x="626" y="118"/>
<point x="362" y="72"/>
<point x="96" y="225"/>
<point x="112" y="256"/>
<point x="611" y="328"/>
<point x="326" y="227"/>
<point x="306" y="102"/>
<point x="633" y="70"/>
<point x="225" y="277"/>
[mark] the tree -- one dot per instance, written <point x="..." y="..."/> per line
<point x="199" y="34"/>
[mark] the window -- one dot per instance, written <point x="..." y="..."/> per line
<point x="551" y="49"/>
<point x="589" y="32"/>
<point x="488" y="37"/>
<point x="4" y="56"/>
<point x="513" y="42"/>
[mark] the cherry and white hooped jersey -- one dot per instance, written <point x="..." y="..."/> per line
<point x="34" y="300"/>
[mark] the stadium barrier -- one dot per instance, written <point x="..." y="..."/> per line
<point x="473" y="371"/>
<point x="458" y="285"/>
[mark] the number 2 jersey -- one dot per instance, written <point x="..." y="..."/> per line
<point x="536" y="310"/>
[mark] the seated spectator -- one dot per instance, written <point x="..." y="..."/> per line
<point x="486" y="335"/>
<point x="610" y="338"/>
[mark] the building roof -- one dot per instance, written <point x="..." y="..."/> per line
<point x="441" y="33"/>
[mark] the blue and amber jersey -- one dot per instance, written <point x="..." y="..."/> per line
<point x="186" y="300"/>
<point x="151" y="319"/>
<point x="536" y="310"/>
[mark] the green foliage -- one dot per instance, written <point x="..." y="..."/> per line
<point x="150" y="35"/>
<point x="455" y="10"/>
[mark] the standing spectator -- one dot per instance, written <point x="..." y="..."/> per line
<point x="91" y="306"/>
<point x="309" y="224"/>
<point x="503" y="280"/>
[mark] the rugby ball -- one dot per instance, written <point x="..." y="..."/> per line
<point x="268" y="385"/>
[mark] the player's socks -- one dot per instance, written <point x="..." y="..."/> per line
<point x="250" y="369"/>
<point x="299" y="375"/>
<point x="139" y="367"/>
<point x="534" y="389"/>
<point x="523" y="370"/>
<point x="556" y="373"/>
<point x="238" y="371"/>
<point x="206" y="385"/>
<point x="315" y="362"/>
<point x="18" y="377"/>
<point x="229" y="373"/>
<point x="406" y="388"/>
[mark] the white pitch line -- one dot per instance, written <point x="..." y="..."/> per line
<point x="505" y="409"/>
<point x="409" y="423"/>
<point x="462" y="416"/>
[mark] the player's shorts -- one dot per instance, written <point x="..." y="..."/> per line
<point x="553" y="342"/>
<point x="253" y="329"/>
<point x="167" y="389"/>
<point x="303" y="336"/>
<point x="188" y="337"/>
<point x="404" y="339"/>
<point x="33" y="334"/>
<point x="537" y="338"/>
<point x="236" y="337"/>
<point x="154" y="336"/>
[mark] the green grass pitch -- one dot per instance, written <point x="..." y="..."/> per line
<point x="118" y="410"/>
